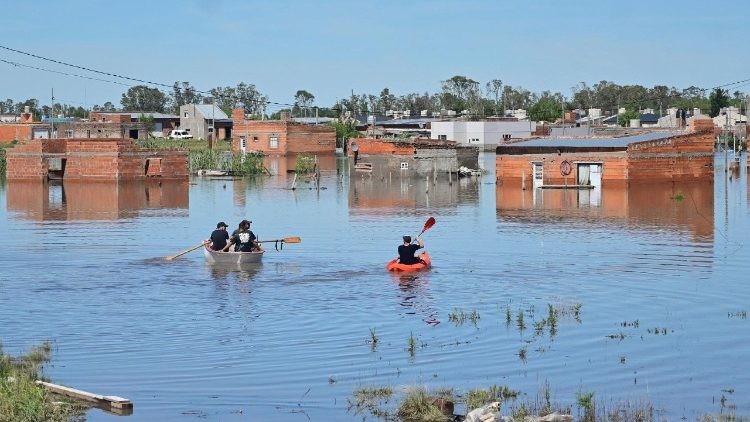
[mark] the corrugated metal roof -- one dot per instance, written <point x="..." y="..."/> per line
<point x="154" y="115"/>
<point x="210" y="111"/>
<point x="313" y="120"/>
<point x="592" y="142"/>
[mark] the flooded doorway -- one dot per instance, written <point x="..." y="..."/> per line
<point x="590" y="174"/>
<point x="538" y="174"/>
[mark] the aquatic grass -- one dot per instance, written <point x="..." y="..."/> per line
<point x="22" y="400"/>
<point x="373" y="339"/>
<point x="372" y="400"/>
<point x="304" y="164"/>
<point x="522" y="354"/>
<point x="508" y="317"/>
<point x="495" y="393"/>
<point x="738" y="314"/>
<point x="246" y="164"/>
<point x="586" y="402"/>
<point x="679" y="197"/>
<point x="519" y="321"/>
<point x="617" y="336"/>
<point x="419" y="406"/>
<point x="411" y="344"/>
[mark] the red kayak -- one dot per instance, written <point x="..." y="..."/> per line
<point x="394" y="265"/>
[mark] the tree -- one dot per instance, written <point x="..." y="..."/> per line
<point x="6" y="106"/>
<point x="243" y="96"/>
<point x="624" y="118"/>
<point x="303" y="100"/>
<point x="143" y="98"/>
<point x="493" y="89"/>
<point x="387" y="100"/>
<point x="718" y="99"/>
<point x="461" y="93"/>
<point x="548" y="107"/>
<point x="183" y="93"/>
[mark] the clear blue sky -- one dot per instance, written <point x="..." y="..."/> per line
<point x="333" y="47"/>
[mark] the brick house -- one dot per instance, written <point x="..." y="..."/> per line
<point x="648" y="157"/>
<point x="23" y="128"/>
<point x="411" y="157"/>
<point x="280" y="137"/>
<point x="103" y="159"/>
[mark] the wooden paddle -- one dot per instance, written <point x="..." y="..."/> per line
<point x="170" y="258"/>
<point x="293" y="239"/>
<point x="427" y="225"/>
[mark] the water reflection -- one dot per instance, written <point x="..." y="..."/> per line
<point x="287" y="164"/>
<point x="655" y="206"/>
<point x="374" y="194"/>
<point x="414" y="296"/>
<point x="100" y="200"/>
<point x="240" y="272"/>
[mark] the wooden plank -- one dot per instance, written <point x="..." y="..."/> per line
<point x="114" y="402"/>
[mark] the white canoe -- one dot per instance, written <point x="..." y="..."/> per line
<point x="214" y="257"/>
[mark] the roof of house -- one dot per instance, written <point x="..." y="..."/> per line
<point x="313" y="120"/>
<point x="137" y="114"/>
<point x="552" y="144"/>
<point x="649" y="118"/>
<point x="210" y="111"/>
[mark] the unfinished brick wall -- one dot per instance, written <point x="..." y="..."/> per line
<point x="102" y="159"/>
<point x="10" y="132"/>
<point x="372" y="146"/>
<point x="686" y="157"/>
<point x="110" y="118"/>
<point x="291" y="137"/>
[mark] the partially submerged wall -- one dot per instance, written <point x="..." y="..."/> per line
<point x="103" y="159"/>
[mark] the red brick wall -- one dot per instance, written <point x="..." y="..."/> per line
<point x="371" y="146"/>
<point x="686" y="157"/>
<point x="104" y="158"/>
<point x="110" y="118"/>
<point x="510" y="168"/>
<point x="10" y="132"/>
<point x="292" y="137"/>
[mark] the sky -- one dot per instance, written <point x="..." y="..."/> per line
<point x="331" y="48"/>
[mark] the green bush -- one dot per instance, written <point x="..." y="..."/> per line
<point x="246" y="165"/>
<point x="304" y="164"/>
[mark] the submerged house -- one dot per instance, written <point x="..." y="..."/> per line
<point x="280" y="137"/>
<point x="93" y="159"/>
<point x="587" y="162"/>
<point x="410" y="157"/>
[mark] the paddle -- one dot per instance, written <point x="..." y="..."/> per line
<point x="427" y="225"/>
<point x="170" y="258"/>
<point x="293" y="239"/>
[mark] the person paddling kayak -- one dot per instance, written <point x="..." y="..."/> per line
<point x="407" y="250"/>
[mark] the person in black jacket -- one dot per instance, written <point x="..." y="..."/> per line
<point x="407" y="250"/>
<point x="219" y="236"/>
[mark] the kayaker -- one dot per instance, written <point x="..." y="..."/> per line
<point x="407" y="250"/>
<point x="219" y="236"/>
<point x="243" y="239"/>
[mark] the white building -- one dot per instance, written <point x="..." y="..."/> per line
<point x="729" y="117"/>
<point x="483" y="134"/>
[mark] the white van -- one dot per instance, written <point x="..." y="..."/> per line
<point x="180" y="134"/>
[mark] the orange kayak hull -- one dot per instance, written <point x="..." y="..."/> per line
<point x="426" y="263"/>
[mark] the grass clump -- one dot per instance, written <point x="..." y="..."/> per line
<point x="21" y="399"/>
<point x="371" y="400"/>
<point x="247" y="164"/>
<point x="480" y="397"/>
<point x="419" y="406"/>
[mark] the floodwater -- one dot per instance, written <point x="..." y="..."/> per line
<point x="650" y="284"/>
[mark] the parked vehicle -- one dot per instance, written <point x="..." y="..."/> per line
<point x="180" y="134"/>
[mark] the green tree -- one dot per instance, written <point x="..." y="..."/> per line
<point x="244" y="96"/>
<point x="143" y="98"/>
<point x="183" y="93"/>
<point x="494" y="87"/>
<point x="718" y="99"/>
<point x="624" y="118"/>
<point x="461" y="93"/>
<point x="303" y="100"/>
<point x="547" y="108"/>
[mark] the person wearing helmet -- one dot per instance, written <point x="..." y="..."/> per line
<point x="407" y="250"/>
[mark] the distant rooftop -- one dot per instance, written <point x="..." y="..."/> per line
<point x="593" y="142"/>
<point x="211" y="111"/>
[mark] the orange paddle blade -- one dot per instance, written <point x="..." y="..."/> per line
<point x="429" y="223"/>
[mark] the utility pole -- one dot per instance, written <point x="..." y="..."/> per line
<point x="562" y="107"/>
<point x="52" y="113"/>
